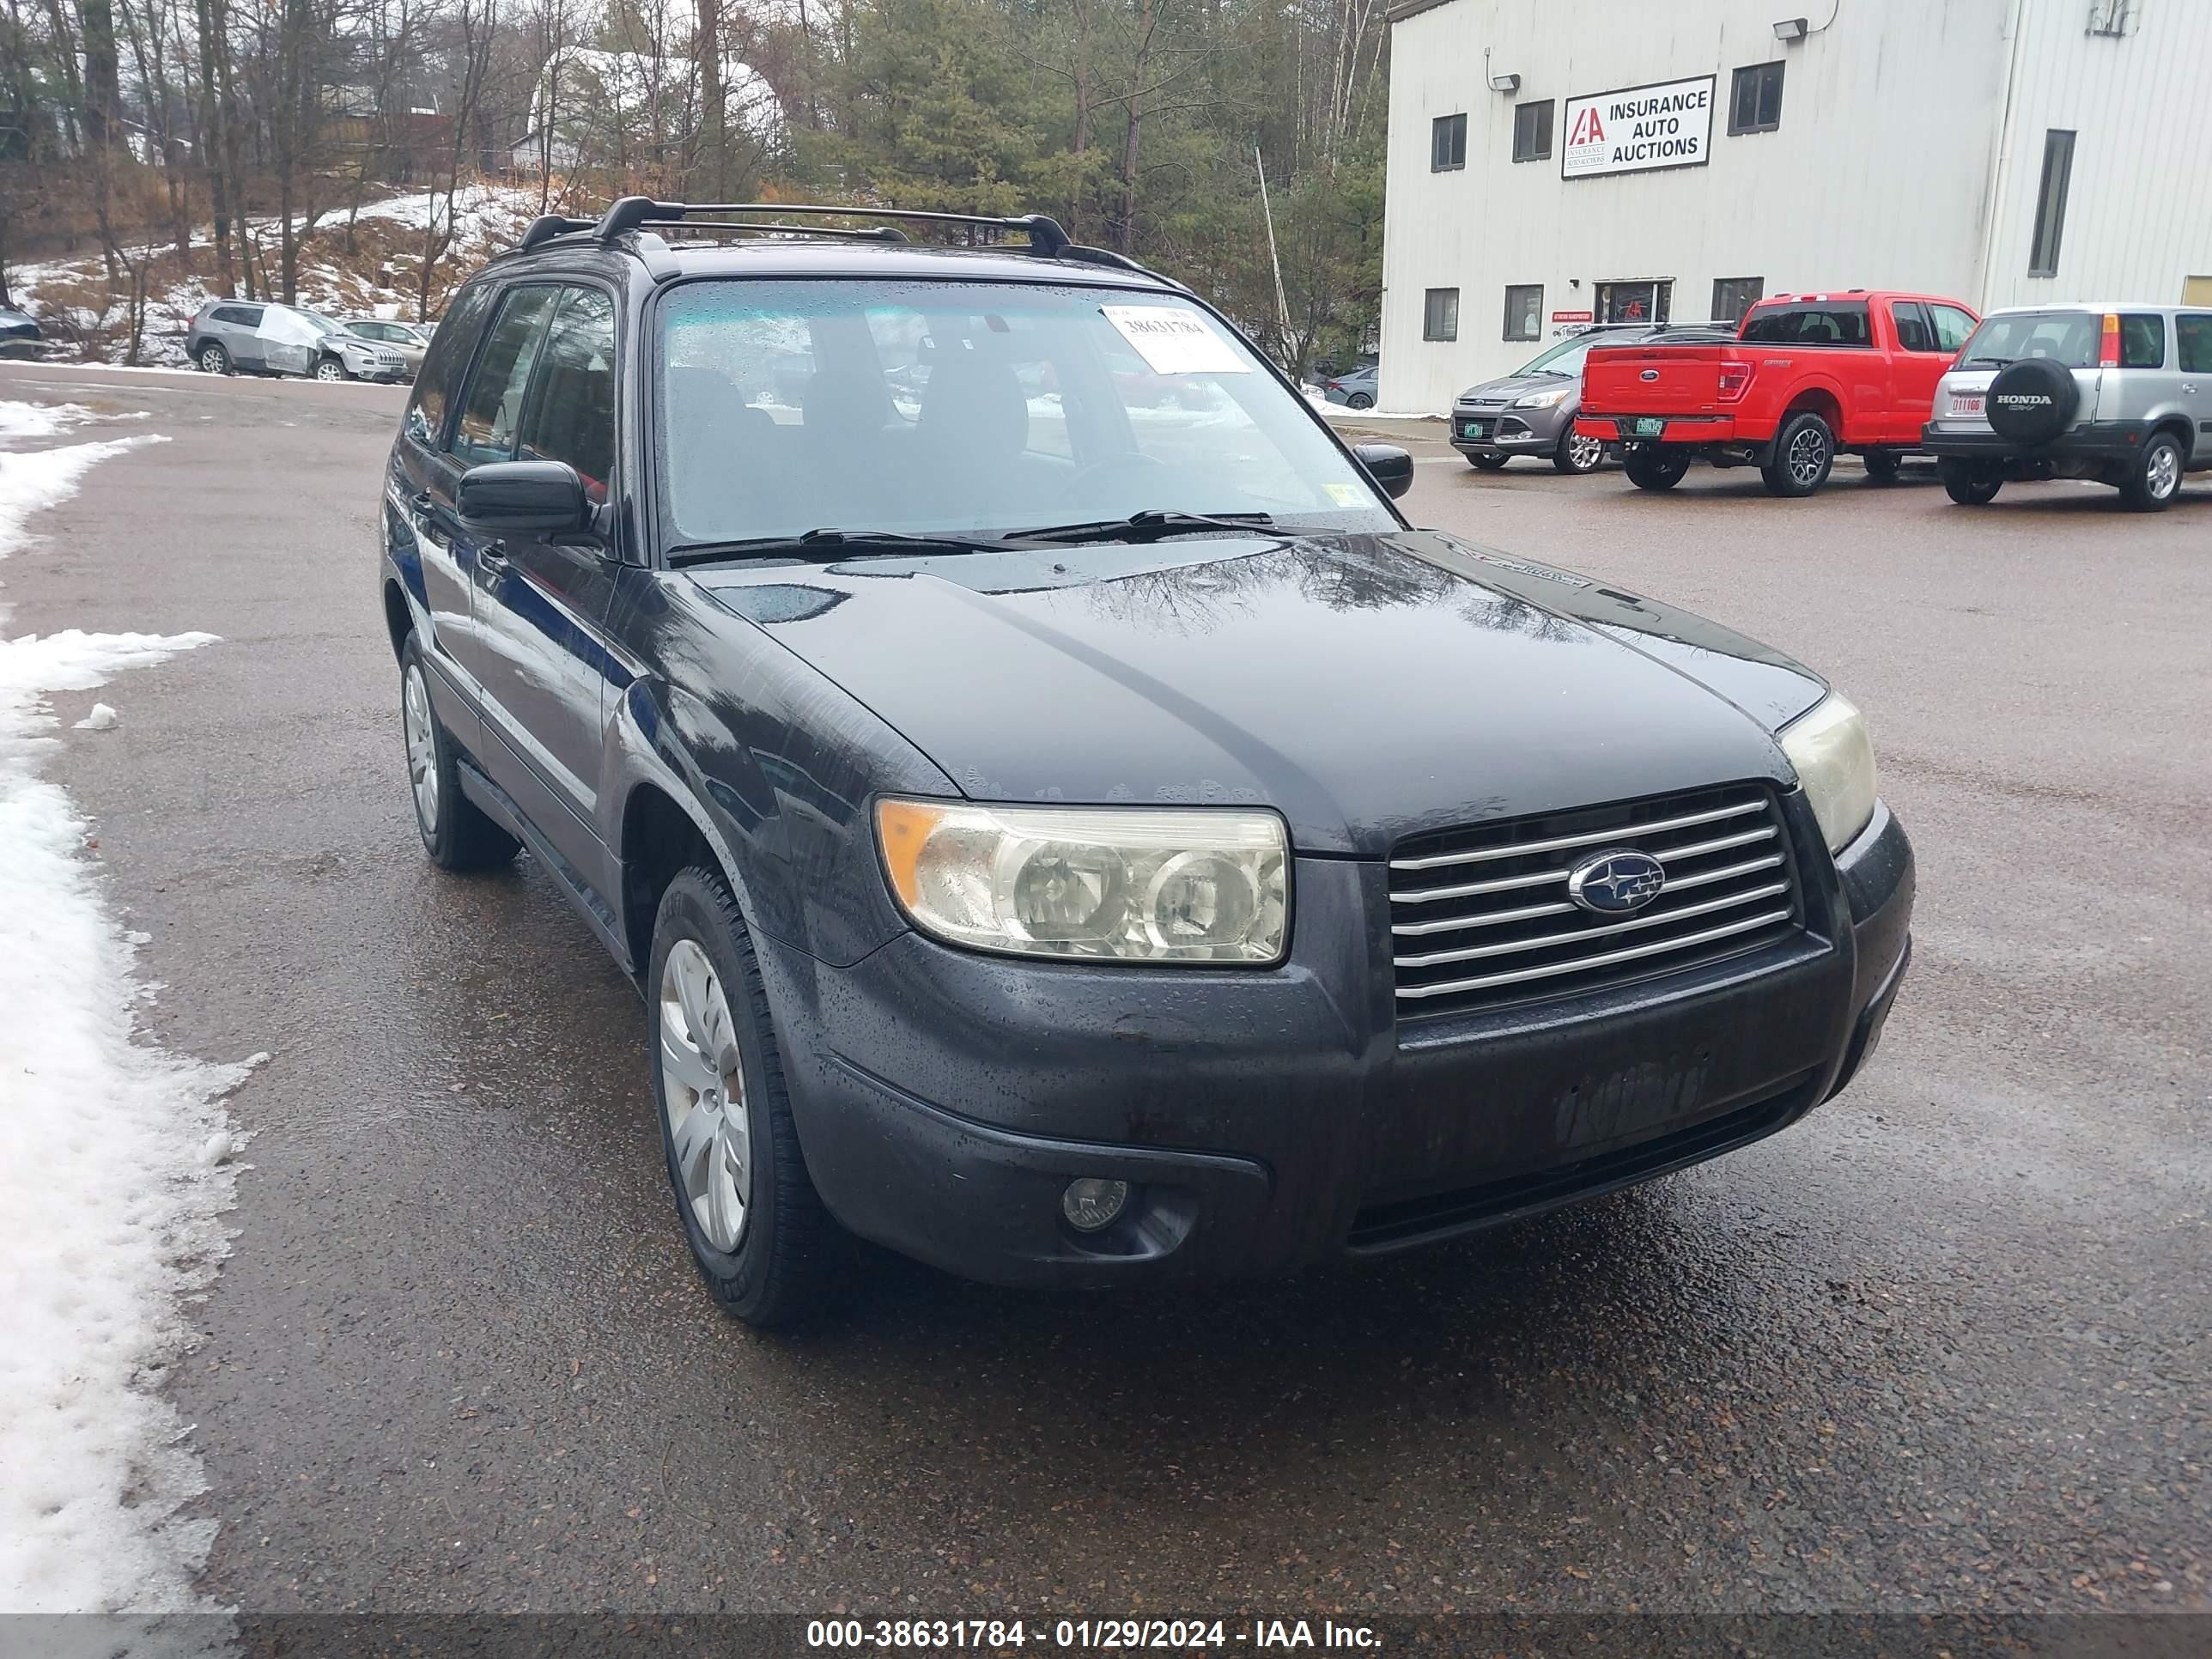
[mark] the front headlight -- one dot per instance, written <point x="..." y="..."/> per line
<point x="1551" y="399"/>
<point x="1835" y="763"/>
<point x="1134" y="883"/>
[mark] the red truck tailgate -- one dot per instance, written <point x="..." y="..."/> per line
<point x="1659" y="380"/>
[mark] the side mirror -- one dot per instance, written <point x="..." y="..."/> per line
<point x="1388" y="464"/>
<point x="520" y="497"/>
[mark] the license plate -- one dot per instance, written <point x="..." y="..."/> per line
<point x="1965" y="406"/>
<point x="1650" y="426"/>
<point x="1476" y="429"/>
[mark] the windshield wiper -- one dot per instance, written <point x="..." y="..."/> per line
<point x="830" y="543"/>
<point x="1148" y="525"/>
<point x="1968" y="363"/>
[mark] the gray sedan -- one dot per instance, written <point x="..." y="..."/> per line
<point x="1531" y="412"/>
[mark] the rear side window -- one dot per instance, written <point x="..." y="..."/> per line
<point x="1826" y="323"/>
<point x="2194" y="335"/>
<point x="442" y="365"/>
<point x="2142" y="340"/>
<point x="491" y="411"/>
<point x="572" y="412"/>
<point x="244" y="316"/>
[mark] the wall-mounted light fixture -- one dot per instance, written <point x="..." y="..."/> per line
<point x="1505" y="83"/>
<point x="1790" y="28"/>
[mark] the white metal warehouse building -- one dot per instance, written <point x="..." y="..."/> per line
<point x="1553" y="162"/>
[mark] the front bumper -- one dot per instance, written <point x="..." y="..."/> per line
<point x="1508" y="431"/>
<point x="1268" y="1121"/>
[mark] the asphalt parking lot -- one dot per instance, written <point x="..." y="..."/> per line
<point x="1941" y="1348"/>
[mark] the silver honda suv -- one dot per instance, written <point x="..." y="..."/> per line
<point x="2117" y="393"/>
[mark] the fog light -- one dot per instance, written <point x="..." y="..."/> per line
<point x="1091" y="1206"/>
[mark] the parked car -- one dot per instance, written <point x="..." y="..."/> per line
<point x="405" y="338"/>
<point x="264" y="337"/>
<point x="2122" y="394"/>
<point x="1532" y="410"/>
<point x="1087" y="850"/>
<point x="19" y="333"/>
<point x="1809" y="376"/>
<point x="1355" y="390"/>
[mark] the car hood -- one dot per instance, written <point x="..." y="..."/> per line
<point x="1507" y="387"/>
<point x="1367" y="687"/>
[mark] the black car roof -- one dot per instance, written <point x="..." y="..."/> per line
<point x="736" y="244"/>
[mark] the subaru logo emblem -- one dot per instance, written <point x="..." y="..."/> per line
<point x="1614" y="883"/>
<point x="1650" y="374"/>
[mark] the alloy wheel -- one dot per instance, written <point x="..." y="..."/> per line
<point x="702" y="1091"/>
<point x="212" y="362"/>
<point x="1585" y="453"/>
<point x="329" y="369"/>
<point x="1809" y="456"/>
<point x="2163" y="476"/>
<point x="422" y="747"/>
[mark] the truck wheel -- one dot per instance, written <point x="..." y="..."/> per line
<point x="1804" y="451"/>
<point x="1655" y="468"/>
<point x="1577" y="454"/>
<point x="1487" y="463"/>
<point x="1971" y="483"/>
<point x="757" y="1230"/>
<point x="2155" y="478"/>
<point x="1881" y="466"/>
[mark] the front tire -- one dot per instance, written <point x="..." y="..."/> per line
<point x="758" y="1231"/>
<point x="2154" y="477"/>
<point x="1487" y="463"/>
<point x="1577" y="455"/>
<point x="455" y="832"/>
<point x="1655" y="468"/>
<point x="1971" y="484"/>
<point x="1804" y="454"/>
<point x="329" y="369"/>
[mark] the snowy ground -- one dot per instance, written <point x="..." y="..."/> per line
<point x="116" y="1158"/>
<point x="378" y="279"/>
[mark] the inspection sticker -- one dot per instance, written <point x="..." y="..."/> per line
<point x="1175" y="340"/>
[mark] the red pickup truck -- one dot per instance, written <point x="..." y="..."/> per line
<point x="1807" y="376"/>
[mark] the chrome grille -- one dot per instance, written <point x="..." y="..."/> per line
<point x="1480" y="916"/>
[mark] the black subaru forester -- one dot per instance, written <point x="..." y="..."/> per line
<point x="1064" y="824"/>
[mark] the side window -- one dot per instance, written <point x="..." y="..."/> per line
<point x="244" y="316"/>
<point x="1953" y="327"/>
<point x="1914" y="332"/>
<point x="2194" y="335"/>
<point x="2142" y="340"/>
<point x="491" y="412"/>
<point x="442" y="364"/>
<point x="572" y="413"/>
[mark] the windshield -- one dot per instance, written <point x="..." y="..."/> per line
<point x="955" y="408"/>
<point x="2068" y="338"/>
<point x="1564" y="358"/>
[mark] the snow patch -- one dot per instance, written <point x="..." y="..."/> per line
<point x="103" y="717"/>
<point x="115" y="1166"/>
<point x="32" y="480"/>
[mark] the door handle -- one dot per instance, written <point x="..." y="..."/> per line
<point x="421" y="502"/>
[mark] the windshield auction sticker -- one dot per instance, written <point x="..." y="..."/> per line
<point x="1175" y="340"/>
<point x="1639" y="129"/>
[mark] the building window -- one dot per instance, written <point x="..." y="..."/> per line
<point x="1635" y="302"/>
<point x="2051" y="201"/>
<point x="1440" y="314"/>
<point x="1524" y="310"/>
<point x="1447" y="143"/>
<point x="1755" y="101"/>
<point x="1734" y="296"/>
<point x="1532" y="132"/>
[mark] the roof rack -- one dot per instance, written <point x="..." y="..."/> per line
<point x="640" y="212"/>
<point x="546" y="226"/>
